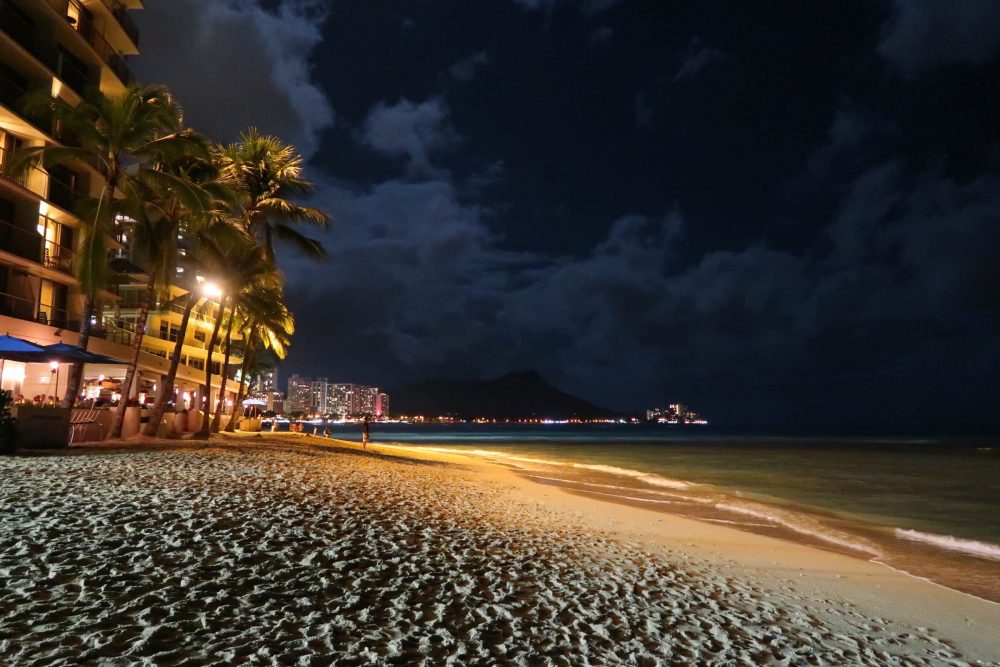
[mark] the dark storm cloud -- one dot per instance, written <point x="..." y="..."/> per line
<point x="924" y="33"/>
<point x="233" y="64"/>
<point x="878" y="297"/>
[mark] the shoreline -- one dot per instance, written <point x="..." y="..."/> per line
<point x="970" y="566"/>
<point x="694" y="591"/>
<point x="824" y="570"/>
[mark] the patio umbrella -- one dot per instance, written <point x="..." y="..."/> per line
<point x="66" y="353"/>
<point x="17" y="349"/>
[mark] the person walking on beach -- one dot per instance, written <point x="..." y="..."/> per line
<point x="364" y="432"/>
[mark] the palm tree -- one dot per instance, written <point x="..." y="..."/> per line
<point x="120" y="138"/>
<point x="205" y="174"/>
<point x="167" y="386"/>
<point x="240" y="265"/>
<point x="158" y="206"/>
<point x="260" y="299"/>
<point x="269" y="172"/>
<point x="267" y="325"/>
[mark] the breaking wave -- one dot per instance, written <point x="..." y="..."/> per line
<point x="795" y="524"/>
<point x="972" y="547"/>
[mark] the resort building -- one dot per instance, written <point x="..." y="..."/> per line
<point x="275" y="403"/>
<point x="317" y="396"/>
<point x="266" y="382"/>
<point x="65" y="47"/>
<point x="364" y="401"/>
<point x="340" y="398"/>
<point x="299" y="395"/>
<point x="335" y="399"/>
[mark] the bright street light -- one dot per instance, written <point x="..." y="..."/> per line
<point x="211" y="290"/>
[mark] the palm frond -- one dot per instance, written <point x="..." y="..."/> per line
<point x="311" y="248"/>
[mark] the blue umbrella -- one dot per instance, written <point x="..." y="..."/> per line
<point x="17" y="349"/>
<point x="67" y="353"/>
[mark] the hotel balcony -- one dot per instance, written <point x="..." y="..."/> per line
<point x="29" y="244"/>
<point x="125" y="22"/>
<point x="103" y="48"/>
<point x="43" y="46"/>
<point x="58" y="186"/>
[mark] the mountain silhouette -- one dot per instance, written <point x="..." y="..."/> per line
<point x="522" y="395"/>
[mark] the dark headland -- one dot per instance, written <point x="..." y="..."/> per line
<point x="521" y="395"/>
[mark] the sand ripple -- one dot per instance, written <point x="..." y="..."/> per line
<point x="296" y="555"/>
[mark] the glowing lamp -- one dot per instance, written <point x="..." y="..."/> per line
<point x="211" y="290"/>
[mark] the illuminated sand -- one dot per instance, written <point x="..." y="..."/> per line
<point x="293" y="552"/>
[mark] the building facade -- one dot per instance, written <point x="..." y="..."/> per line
<point x="65" y="47"/>
<point x="317" y="395"/>
<point x="340" y="396"/>
<point x="365" y="400"/>
<point x="299" y="395"/>
<point x="335" y="399"/>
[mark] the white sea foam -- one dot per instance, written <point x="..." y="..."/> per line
<point x="726" y="521"/>
<point x="619" y="487"/>
<point x="799" y="527"/>
<point x="648" y="478"/>
<point x="642" y="500"/>
<point x="973" y="547"/>
<point x="490" y="454"/>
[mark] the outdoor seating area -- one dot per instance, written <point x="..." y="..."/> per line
<point x="36" y="376"/>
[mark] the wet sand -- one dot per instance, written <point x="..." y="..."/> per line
<point x="289" y="549"/>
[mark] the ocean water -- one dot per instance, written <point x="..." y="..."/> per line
<point x="930" y="507"/>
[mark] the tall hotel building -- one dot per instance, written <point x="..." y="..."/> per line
<point x="300" y="395"/>
<point x="65" y="47"/>
<point x="340" y="399"/>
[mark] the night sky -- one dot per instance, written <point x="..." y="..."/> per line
<point x="780" y="213"/>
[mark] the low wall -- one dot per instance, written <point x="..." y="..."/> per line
<point x="41" y="427"/>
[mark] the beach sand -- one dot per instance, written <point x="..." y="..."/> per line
<point x="287" y="549"/>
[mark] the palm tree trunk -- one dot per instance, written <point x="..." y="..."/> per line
<point x="76" y="373"/>
<point x="225" y="373"/>
<point x="248" y="354"/>
<point x="133" y="368"/>
<point x="268" y="244"/>
<point x="206" y="422"/>
<point x="156" y="414"/>
<point x="76" y="370"/>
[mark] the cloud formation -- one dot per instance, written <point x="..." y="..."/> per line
<point x="924" y="33"/>
<point x="238" y="57"/>
<point x="696" y="58"/>
<point x="891" y="294"/>
<point x="465" y="69"/>
<point x="412" y="130"/>
<point x="588" y="7"/>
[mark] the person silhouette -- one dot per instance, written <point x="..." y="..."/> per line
<point x="364" y="432"/>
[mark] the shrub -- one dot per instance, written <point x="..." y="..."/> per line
<point x="8" y="425"/>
